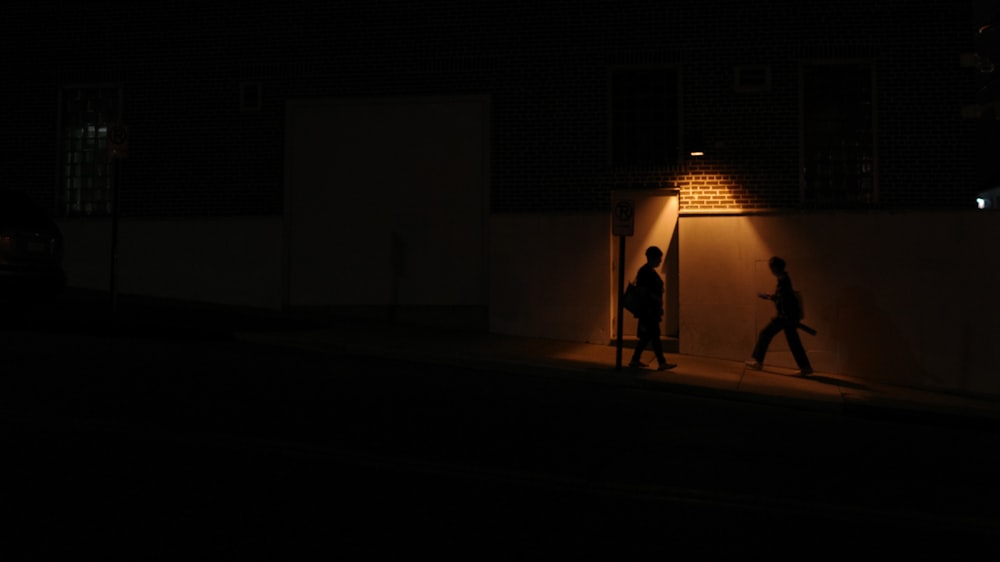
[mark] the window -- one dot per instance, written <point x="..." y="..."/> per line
<point x="838" y="134"/>
<point x="644" y="117"/>
<point x="85" y="182"/>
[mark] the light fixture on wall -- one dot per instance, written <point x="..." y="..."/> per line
<point x="695" y="144"/>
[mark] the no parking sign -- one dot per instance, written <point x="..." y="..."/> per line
<point x="623" y="217"/>
<point x="117" y="140"/>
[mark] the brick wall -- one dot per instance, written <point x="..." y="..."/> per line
<point x="543" y="64"/>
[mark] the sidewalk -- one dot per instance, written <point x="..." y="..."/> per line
<point x="702" y="376"/>
<point x="695" y="375"/>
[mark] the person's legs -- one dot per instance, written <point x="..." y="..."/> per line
<point x="657" y="345"/>
<point x="764" y="339"/>
<point x="798" y="351"/>
<point x="643" y="332"/>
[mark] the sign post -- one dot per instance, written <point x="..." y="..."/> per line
<point x="117" y="149"/>
<point x="622" y="226"/>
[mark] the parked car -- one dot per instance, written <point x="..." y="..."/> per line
<point x="31" y="250"/>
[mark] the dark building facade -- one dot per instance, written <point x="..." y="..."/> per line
<point x="203" y="88"/>
<point x="452" y="155"/>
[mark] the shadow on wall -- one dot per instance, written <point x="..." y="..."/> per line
<point x="870" y="345"/>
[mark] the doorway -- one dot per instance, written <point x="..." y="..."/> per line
<point x="385" y="208"/>
<point x="655" y="224"/>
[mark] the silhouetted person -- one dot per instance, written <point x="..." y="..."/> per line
<point x="787" y="320"/>
<point x="651" y="311"/>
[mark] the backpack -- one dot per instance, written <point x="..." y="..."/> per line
<point x="801" y="305"/>
<point x="632" y="300"/>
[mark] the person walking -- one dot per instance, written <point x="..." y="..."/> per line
<point x="650" y="286"/>
<point x="787" y="320"/>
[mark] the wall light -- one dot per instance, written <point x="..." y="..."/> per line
<point x="696" y="144"/>
<point x="989" y="199"/>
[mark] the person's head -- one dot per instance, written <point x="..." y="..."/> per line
<point x="777" y="265"/>
<point x="654" y="255"/>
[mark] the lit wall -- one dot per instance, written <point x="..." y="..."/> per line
<point x="902" y="298"/>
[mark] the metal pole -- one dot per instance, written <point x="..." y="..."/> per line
<point x="114" y="236"/>
<point x="621" y="285"/>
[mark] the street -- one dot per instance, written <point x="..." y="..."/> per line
<point x="169" y="443"/>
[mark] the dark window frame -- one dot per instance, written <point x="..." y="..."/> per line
<point x="644" y="113"/>
<point x="838" y="146"/>
<point x="85" y="177"/>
